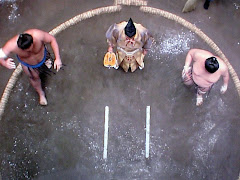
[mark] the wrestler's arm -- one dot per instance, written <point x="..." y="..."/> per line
<point x="48" y="38"/>
<point x="7" y="49"/>
<point x="225" y="75"/>
<point x="189" y="57"/>
<point x="188" y="61"/>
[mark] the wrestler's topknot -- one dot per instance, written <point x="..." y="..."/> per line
<point x="24" y="41"/>
<point x="211" y="64"/>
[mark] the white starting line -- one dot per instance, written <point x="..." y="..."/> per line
<point x="147" y="131"/>
<point x="106" y="132"/>
<point x="105" y="143"/>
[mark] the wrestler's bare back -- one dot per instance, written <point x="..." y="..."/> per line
<point x="199" y="73"/>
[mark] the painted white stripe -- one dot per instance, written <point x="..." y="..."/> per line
<point x="106" y="132"/>
<point x="147" y="130"/>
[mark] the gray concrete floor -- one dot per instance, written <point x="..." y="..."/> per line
<point x="65" y="139"/>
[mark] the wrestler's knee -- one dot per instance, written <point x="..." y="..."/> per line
<point x="34" y="77"/>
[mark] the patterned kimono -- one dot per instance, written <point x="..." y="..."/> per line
<point x="129" y="50"/>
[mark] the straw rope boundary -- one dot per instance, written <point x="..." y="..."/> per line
<point x="116" y="8"/>
<point x="131" y="2"/>
<point x="83" y="16"/>
<point x="11" y="82"/>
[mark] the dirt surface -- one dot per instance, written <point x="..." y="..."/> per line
<point x="65" y="139"/>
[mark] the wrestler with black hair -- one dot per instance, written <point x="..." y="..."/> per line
<point x="32" y="54"/>
<point x="206" y="69"/>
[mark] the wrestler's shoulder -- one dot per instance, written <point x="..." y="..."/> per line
<point x="223" y="65"/>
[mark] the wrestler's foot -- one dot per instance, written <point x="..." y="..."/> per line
<point x="199" y="100"/>
<point x="43" y="100"/>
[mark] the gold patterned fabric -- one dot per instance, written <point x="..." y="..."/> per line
<point x="129" y="50"/>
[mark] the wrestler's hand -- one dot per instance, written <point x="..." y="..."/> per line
<point x="9" y="63"/>
<point x="57" y="64"/>
<point x="110" y="49"/>
<point x="223" y="89"/>
<point x="145" y="52"/>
